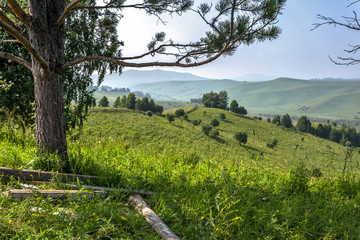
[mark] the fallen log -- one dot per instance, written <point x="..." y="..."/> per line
<point x="109" y="189"/>
<point x="21" y="194"/>
<point x="154" y="220"/>
<point x="33" y="175"/>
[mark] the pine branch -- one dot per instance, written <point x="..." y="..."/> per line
<point x="26" y="44"/>
<point x="20" y="14"/>
<point x="19" y="60"/>
<point x="66" y="11"/>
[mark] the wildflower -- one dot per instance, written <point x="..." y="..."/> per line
<point x="236" y="218"/>
<point x="285" y="201"/>
<point x="94" y="214"/>
<point x="217" y="229"/>
<point x="277" y="211"/>
<point x="37" y="198"/>
<point x="202" y="217"/>
<point x="123" y="218"/>
<point x="10" y="221"/>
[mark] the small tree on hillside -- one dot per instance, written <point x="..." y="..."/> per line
<point x="286" y="121"/>
<point x="241" y="110"/>
<point x="196" y="122"/>
<point x="276" y="120"/>
<point x="222" y="116"/>
<point x="241" y="137"/>
<point x="234" y="106"/>
<point x="304" y="124"/>
<point x="117" y="102"/>
<point x="123" y="101"/>
<point x="170" y="118"/>
<point x="137" y="104"/>
<point x="130" y="101"/>
<point x="214" y="122"/>
<point x="179" y="112"/>
<point x="104" y="102"/>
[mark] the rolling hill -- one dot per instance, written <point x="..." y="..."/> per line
<point x="321" y="99"/>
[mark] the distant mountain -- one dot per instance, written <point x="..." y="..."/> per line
<point x="130" y="78"/>
<point x="255" y="78"/>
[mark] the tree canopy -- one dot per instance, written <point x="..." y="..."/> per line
<point x="71" y="39"/>
<point x="215" y="100"/>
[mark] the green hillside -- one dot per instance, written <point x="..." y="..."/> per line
<point x="185" y="90"/>
<point x="321" y="99"/>
<point x="204" y="188"/>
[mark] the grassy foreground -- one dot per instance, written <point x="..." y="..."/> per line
<point x="205" y="188"/>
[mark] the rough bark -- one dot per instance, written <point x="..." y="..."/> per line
<point x="48" y="39"/>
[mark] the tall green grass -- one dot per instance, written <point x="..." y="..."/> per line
<point x="204" y="188"/>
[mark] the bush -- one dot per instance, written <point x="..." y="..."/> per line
<point x="196" y="122"/>
<point x="214" y="122"/>
<point x="241" y="137"/>
<point x="180" y="112"/>
<point x="149" y="113"/>
<point x="170" y="118"/>
<point x="206" y="129"/>
<point x="222" y="116"/>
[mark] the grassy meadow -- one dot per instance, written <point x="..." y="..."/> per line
<point x="205" y="188"/>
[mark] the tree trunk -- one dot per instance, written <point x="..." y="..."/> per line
<point x="48" y="40"/>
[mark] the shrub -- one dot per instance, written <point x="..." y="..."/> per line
<point x="196" y="122"/>
<point x="206" y="129"/>
<point x="180" y="112"/>
<point x="214" y="122"/>
<point x="170" y="118"/>
<point x="149" y="113"/>
<point x="241" y="137"/>
<point x="222" y="116"/>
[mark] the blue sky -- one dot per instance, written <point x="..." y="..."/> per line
<point x="298" y="52"/>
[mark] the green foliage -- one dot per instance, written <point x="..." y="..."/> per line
<point x="117" y="102"/>
<point x="196" y="122"/>
<point x="298" y="182"/>
<point x="222" y="116"/>
<point x="104" y="102"/>
<point x="214" y="122"/>
<point x="241" y="137"/>
<point x="180" y="112"/>
<point x="304" y="125"/>
<point x="204" y="188"/>
<point x="286" y="121"/>
<point x="214" y="133"/>
<point x="206" y="129"/>
<point x="130" y="101"/>
<point x="276" y="120"/>
<point x="170" y="118"/>
<point x="149" y="113"/>
<point x="234" y="107"/>
<point x="215" y="100"/>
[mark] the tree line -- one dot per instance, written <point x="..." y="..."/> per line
<point x="132" y="102"/>
<point x="345" y="135"/>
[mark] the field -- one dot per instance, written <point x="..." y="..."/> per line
<point x="205" y="188"/>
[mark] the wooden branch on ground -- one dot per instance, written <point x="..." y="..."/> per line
<point x="21" y="194"/>
<point x="33" y="175"/>
<point x="154" y="220"/>
<point x="109" y="189"/>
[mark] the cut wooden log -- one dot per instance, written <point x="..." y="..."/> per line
<point x="109" y="189"/>
<point x="21" y="194"/>
<point x="154" y="220"/>
<point x="33" y="175"/>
